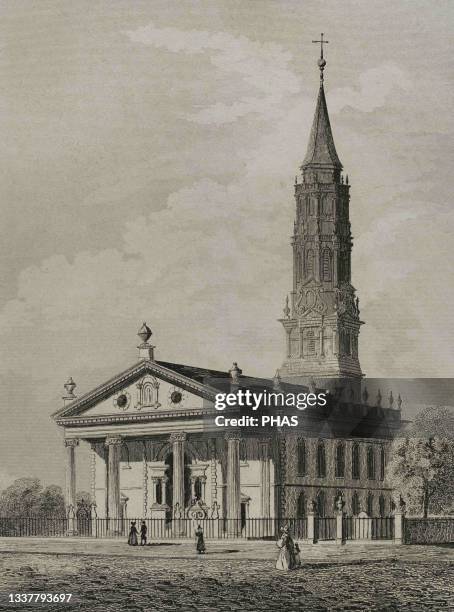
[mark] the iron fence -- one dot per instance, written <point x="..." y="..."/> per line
<point x="324" y="528"/>
<point x="33" y="526"/>
<point x="157" y="529"/>
<point x="374" y="528"/>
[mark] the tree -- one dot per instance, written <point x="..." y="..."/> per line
<point x="83" y="497"/>
<point x="51" y="502"/>
<point x="422" y="462"/>
<point x="21" y="498"/>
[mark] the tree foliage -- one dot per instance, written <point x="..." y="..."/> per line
<point x="26" y="497"/>
<point x="422" y="463"/>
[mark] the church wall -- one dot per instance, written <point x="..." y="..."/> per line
<point x="311" y="484"/>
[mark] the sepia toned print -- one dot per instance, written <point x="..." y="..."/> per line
<point x="279" y="433"/>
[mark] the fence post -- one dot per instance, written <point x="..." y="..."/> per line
<point x="72" y="522"/>
<point x="398" y="527"/>
<point x="310" y="528"/>
<point x="339" y="527"/>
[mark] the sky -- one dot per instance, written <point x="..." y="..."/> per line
<point x="148" y="155"/>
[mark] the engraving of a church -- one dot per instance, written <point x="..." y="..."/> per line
<point x="156" y="452"/>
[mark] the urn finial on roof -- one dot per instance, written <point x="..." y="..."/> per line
<point x="146" y="350"/>
<point x="235" y="373"/>
<point x="69" y="386"/>
<point x="144" y="333"/>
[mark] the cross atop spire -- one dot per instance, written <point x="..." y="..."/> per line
<point x="321" y="62"/>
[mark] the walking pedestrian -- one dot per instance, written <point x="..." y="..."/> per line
<point x="143" y="534"/>
<point x="200" y="544"/>
<point x="132" y="539"/>
<point x="286" y="558"/>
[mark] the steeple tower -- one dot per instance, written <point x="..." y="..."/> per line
<point x="322" y="320"/>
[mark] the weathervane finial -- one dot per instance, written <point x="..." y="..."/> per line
<point x="321" y="62"/>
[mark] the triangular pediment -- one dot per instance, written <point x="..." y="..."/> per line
<point x="147" y="386"/>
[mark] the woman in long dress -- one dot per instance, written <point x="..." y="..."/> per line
<point x="200" y="542"/>
<point x="286" y="558"/>
<point x="132" y="539"/>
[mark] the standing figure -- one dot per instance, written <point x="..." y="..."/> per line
<point x="200" y="544"/>
<point x="286" y="558"/>
<point x="297" y="555"/>
<point x="143" y="534"/>
<point x="132" y="539"/>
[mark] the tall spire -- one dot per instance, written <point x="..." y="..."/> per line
<point x="321" y="152"/>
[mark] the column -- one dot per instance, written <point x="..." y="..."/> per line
<point x="233" y="483"/>
<point x="178" y="439"/>
<point x="113" y="444"/>
<point x="164" y="490"/>
<point x="145" y="482"/>
<point x="203" y="483"/>
<point x="265" y="478"/>
<point x="322" y="348"/>
<point x="71" y="485"/>
<point x="93" y="473"/>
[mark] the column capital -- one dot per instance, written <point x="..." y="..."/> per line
<point x="178" y="436"/>
<point x="233" y="435"/>
<point x="71" y="442"/>
<point x="113" y="441"/>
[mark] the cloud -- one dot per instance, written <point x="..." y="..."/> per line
<point x="374" y="87"/>
<point x="263" y="67"/>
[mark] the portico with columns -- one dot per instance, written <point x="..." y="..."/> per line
<point x="155" y="451"/>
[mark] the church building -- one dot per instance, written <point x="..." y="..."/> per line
<point x="155" y="450"/>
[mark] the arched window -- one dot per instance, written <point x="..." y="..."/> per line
<point x="340" y="460"/>
<point x="311" y="342"/>
<point x="355" y="461"/>
<point x="327" y="265"/>
<point x="382" y="463"/>
<point x="381" y="505"/>
<point x="370" y="463"/>
<point x="320" y="503"/>
<point x="301" y="507"/>
<point x="355" y="503"/>
<point x="321" y="460"/>
<point x="370" y="504"/>
<point x="310" y="263"/>
<point x="301" y="457"/>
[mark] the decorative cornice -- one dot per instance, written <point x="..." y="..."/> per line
<point x="107" y="419"/>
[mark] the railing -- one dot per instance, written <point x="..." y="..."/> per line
<point x="432" y="530"/>
<point x="157" y="529"/>
<point x="34" y="526"/>
<point x="324" y="528"/>
<point x="376" y="528"/>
